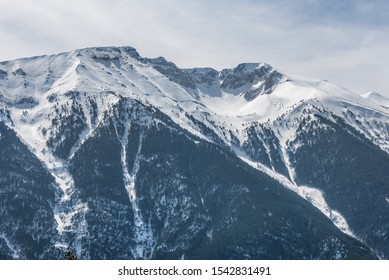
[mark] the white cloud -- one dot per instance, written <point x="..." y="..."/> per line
<point x="342" y="41"/>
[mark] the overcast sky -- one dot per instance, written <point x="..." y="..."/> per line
<point x="343" y="41"/>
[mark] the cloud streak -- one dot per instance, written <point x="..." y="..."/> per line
<point x="342" y="41"/>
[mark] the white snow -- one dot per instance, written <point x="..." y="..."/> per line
<point x="223" y="112"/>
<point x="314" y="196"/>
<point x="377" y="98"/>
<point x="143" y="235"/>
<point x="317" y="199"/>
<point x="14" y="248"/>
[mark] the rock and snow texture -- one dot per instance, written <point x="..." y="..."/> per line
<point x="56" y="104"/>
<point x="143" y="236"/>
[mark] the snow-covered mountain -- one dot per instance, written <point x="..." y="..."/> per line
<point x="142" y="159"/>
<point x="377" y="98"/>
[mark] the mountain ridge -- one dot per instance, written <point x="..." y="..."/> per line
<point x="57" y="104"/>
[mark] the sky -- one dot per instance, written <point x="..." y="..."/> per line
<point x="343" y="41"/>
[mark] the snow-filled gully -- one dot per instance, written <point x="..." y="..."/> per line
<point x="143" y="234"/>
<point x="314" y="196"/>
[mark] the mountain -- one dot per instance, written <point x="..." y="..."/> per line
<point x="377" y="98"/>
<point x="115" y="156"/>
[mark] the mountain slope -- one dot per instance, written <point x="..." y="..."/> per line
<point x="158" y="160"/>
<point x="377" y="98"/>
<point x="27" y="199"/>
<point x="184" y="208"/>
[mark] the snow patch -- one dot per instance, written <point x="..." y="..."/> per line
<point x="143" y="233"/>
<point x="314" y="196"/>
<point x="15" y="251"/>
<point x="210" y="234"/>
<point x="61" y="245"/>
<point x="66" y="220"/>
<point x="377" y="98"/>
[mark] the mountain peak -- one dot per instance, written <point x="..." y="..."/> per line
<point x="108" y="52"/>
<point x="372" y="94"/>
<point x="377" y="98"/>
<point x="139" y="148"/>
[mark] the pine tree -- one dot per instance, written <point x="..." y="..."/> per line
<point x="70" y="256"/>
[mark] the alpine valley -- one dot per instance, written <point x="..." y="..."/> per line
<point x="110" y="155"/>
